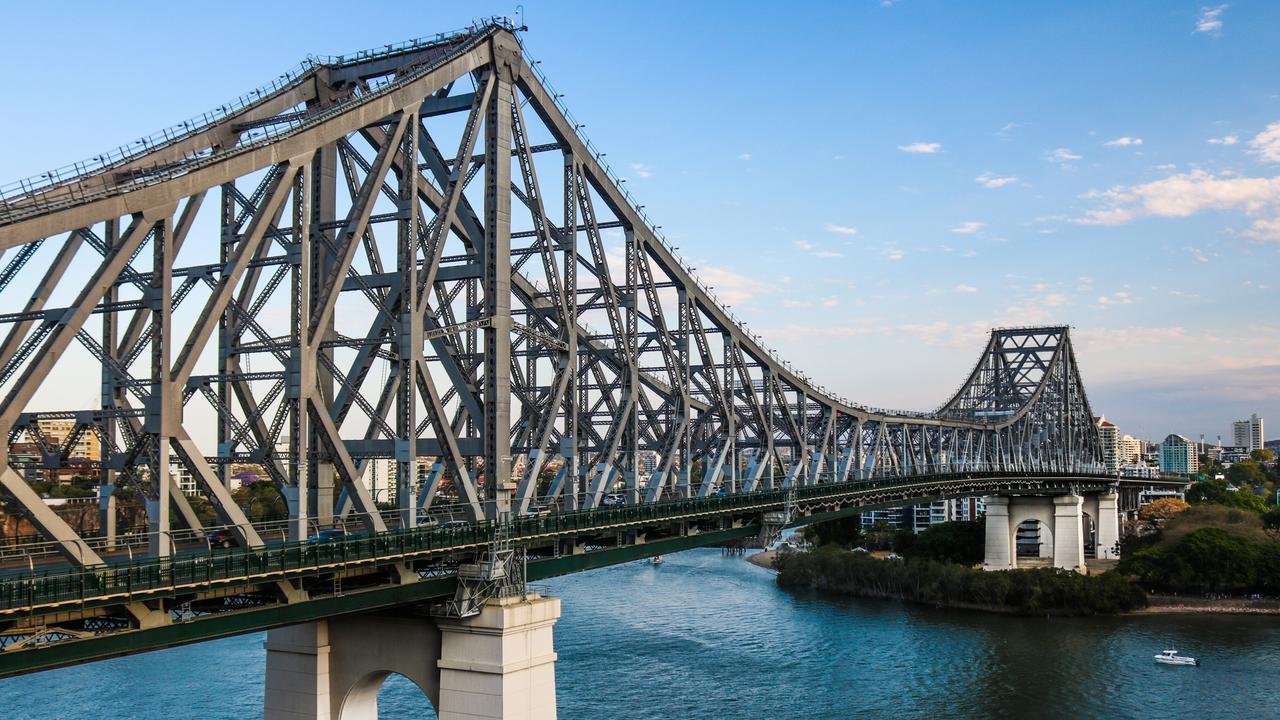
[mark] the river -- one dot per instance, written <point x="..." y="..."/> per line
<point x="709" y="637"/>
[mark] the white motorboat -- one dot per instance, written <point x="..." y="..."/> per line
<point x="1171" y="657"/>
<point x="656" y="560"/>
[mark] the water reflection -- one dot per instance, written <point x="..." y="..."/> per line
<point x="705" y="637"/>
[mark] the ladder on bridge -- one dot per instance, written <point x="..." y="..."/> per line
<point x="500" y="571"/>
<point x="773" y="522"/>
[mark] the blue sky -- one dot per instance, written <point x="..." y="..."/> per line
<point x="871" y="185"/>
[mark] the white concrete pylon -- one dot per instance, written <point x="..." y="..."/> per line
<point x="999" y="546"/>
<point x="500" y="664"/>
<point x="1108" y="526"/>
<point x="1068" y="537"/>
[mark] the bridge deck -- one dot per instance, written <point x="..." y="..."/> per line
<point x="84" y="610"/>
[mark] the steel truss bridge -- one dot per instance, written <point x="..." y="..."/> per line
<point x="411" y="256"/>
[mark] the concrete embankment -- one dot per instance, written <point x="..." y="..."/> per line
<point x="763" y="559"/>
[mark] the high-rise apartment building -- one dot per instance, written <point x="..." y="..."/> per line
<point x="646" y="462"/>
<point x="1248" y="433"/>
<point x="1109" y="435"/>
<point x="1178" y="455"/>
<point x="1130" y="450"/>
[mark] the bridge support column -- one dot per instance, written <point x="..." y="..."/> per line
<point x="332" y="669"/>
<point x="999" y="545"/>
<point x="500" y="664"/>
<point x="1108" y="524"/>
<point x="1068" y="533"/>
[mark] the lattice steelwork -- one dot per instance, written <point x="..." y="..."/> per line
<point x="411" y="255"/>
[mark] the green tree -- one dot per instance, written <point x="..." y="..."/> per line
<point x="1262" y="455"/>
<point x="261" y="502"/>
<point x="1215" y="491"/>
<point x="1271" y="519"/>
<point x="1246" y="473"/>
<point x="954" y="542"/>
<point x="845" y="532"/>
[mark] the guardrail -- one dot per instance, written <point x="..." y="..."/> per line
<point x="87" y="179"/>
<point x="115" y="582"/>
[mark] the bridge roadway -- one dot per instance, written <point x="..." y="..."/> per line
<point x="57" y="617"/>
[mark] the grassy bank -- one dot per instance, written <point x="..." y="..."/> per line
<point x="1033" y="592"/>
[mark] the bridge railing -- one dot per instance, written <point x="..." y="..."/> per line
<point x="88" y="179"/>
<point x="109" y="582"/>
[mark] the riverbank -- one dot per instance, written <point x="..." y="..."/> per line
<point x="1043" y="591"/>
<point x="1156" y="604"/>
<point x="1174" y="604"/>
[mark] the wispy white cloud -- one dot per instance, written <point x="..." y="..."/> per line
<point x="1125" y="141"/>
<point x="1005" y="132"/>
<point x="1210" y="19"/>
<point x="1224" y="140"/>
<point x="1264" y="229"/>
<point x="641" y="170"/>
<point x="827" y="254"/>
<point x="962" y="288"/>
<point x="921" y="148"/>
<point x="1122" y="297"/>
<point x="1063" y="156"/>
<point x="804" y="245"/>
<point x="1266" y="144"/>
<point x="744" y="156"/>
<point x="988" y="180"/>
<point x="731" y="286"/>
<point x="893" y="254"/>
<point x="1186" y="194"/>
<point x="842" y="229"/>
<point x="1196" y="253"/>
<point x="968" y="228"/>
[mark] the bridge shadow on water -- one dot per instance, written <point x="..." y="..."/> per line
<point x="704" y="636"/>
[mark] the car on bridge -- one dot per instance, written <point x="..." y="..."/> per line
<point x="614" y="499"/>
<point x="220" y="539"/>
<point x="333" y="535"/>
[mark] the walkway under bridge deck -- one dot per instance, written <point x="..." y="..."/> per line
<point x="63" y="616"/>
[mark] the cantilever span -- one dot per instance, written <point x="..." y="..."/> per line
<point x="384" y="284"/>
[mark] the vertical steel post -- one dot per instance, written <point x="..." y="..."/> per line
<point x="572" y="406"/>
<point x="110" y="396"/>
<point x="409" y="334"/>
<point x="496" y="262"/>
<point x="161" y="406"/>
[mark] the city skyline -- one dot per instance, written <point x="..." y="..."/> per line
<point x="912" y="218"/>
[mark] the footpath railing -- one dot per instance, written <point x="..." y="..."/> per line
<point x="115" y="581"/>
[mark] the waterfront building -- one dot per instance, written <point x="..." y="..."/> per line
<point x="646" y="462"/>
<point x="1139" y="469"/>
<point x="182" y="477"/>
<point x="1248" y="433"/>
<point x="87" y="446"/>
<point x="967" y="509"/>
<point x="1130" y="450"/>
<point x="1178" y="455"/>
<point x="1109" y="435"/>
<point x="897" y="518"/>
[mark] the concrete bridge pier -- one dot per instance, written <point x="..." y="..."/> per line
<point x="498" y="665"/>
<point x="1025" y="531"/>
